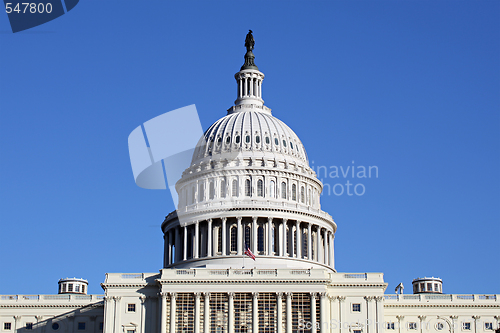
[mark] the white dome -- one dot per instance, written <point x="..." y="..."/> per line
<point x="250" y="130"/>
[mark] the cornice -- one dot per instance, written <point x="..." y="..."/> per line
<point x="41" y="305"/>
<point x="178" y="282"/>
<point x="442" y="305"/>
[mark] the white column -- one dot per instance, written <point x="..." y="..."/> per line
<point x="254" y="232"/>
<point x="172" y="313"/>
<point x="284" y="238"/>
<point x="269" y="236"/>
<point x="206" y="316"/>
<point x="197" y="312"/>
<point x="279" y="300"/>
<point x="184" y="254"/>
<point x="165" y="249"/>
<point x="318" y="243"/>
<point x="332" y="251"/>
<point x="251" y="86"/>
<point x="245" y="89"/>
<point x="163" y="314"/>
<point x="231" y="313"/>
<point x="108" y="314"/>
<point x="298" y="232"/>
<point x="143" y="314"/>
<point x="239" y="235"/>
<point x="255" y="311"/>
<point x="117" y="313"/>
<point x="341" y="312"/>
<point x="288" y="312"/>
<point x="196" y="245"/>
<point x="309" y="242"/>
<point x="209" y="238"/>
<point x="325" y="247"/>
<point x="177" y="245"/>
<point x="224" y="234"/>
<point x="240" y="86"/>
<point x="313" y="313"/>
<point x="324" y="313"/>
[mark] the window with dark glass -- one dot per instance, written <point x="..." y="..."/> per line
<point x="7" y="326"/>
<point x="356" y="307"/>
<point x="248" y="188"/>
<point x="131" y="307"/>
<point x="260" y="238"/>
<point x="222" y="189"/>
<point x="260" y="188"/>
<point x="235" y="188"/>
<point x="283" y="190"/>
<point x="257" y="139"/>
<point x="276" y="142"/>
<point x="29" y="326"/>
<point x="302" y="194"/>
<point x="247" y="235"/>
<point x="294" y="192"/>
<point x="237" y="139"/>
<point x="267" y="140"/>
<point x="81" y="326"/>
<point x="233" y="239"/>
<point x="247" y="139"/>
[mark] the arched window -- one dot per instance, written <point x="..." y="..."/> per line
<point x="193" y="194"/>
<point x="212" y="190"/>
<point x="232" y="238"/>
<point x="294" y="192"/>
<point x="309" y="196"/>
<point x="272" y="189"/>
<point x="247" y="235"/>
<point x="235" y="188"/>
<point x="201" y="192"/>
<point x="247" y="139"/>
<point x="248" y="188"/>
<point x="260" y="188"/>
<point x="260" y="238"/>
<point x="222" y="188"/>
<point x="302" y="194"/>
<point x="283" y="190"/>
<point x="273" y="239"/>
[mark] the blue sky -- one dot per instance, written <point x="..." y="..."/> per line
<point x="411" y="87"/>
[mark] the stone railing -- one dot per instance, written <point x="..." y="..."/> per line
<point x="8" y="299"/>
<point x="442" y="298"/>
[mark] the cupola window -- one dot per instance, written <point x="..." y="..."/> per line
<point x="272" y="188"/>
<point x="233" y="238"/>
<point x="276" y="142"/>
<point x="267" y="140"/>
<point x="248" y="188"/>
<point x="260" y="238"/>
<point x="260" y="188"/>
<point x="284" y="143"/>
<point x="235" y="188"/>
<point x="294" y="192"/>
<point x="302" y="194"/>
<point x="291" y="144"/>
<point x="228" y="140"/>
<point x="283" y="190"/>
<point x="237" y="139"/>
<point x="223" y="188"/>
<point x="257" y="139"/>
<point x="247" y="139"/>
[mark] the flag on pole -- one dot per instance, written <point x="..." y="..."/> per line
<point x="248" y="252"/>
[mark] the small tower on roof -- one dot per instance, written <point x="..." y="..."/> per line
<point x="249" y="78"/>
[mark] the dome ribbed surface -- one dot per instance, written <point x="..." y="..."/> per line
<point x="250" y="131"/>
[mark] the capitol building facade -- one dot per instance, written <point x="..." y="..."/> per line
<point x="249" y="191"/>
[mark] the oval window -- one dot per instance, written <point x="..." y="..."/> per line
<point x="219" y="140"/>
<point x="247" y="139"/>
<point x="267" y="140"/>
<point x="228" y="140"/>
<point x="55" y="326"/>
<point x="284" y="143"/>
<point x="276" y="141"/>
<point x="257" y="139"/>
<point x="237" y="139"/>
<point x="291" y="145"/>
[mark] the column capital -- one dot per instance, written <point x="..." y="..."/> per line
<point x="224" y="219"/>
<point x="369" y="298"/>
<point x="108" y="299"/>
<point x="313" y="294"/>
<point x="400" y="317"/>
<point x="197" y="294"/>
<point x="239" y="218"/>
<point x="322" y="294"/>
<point x="254" y="218"/>
<point x="38" y="318"/>
<point x="341" y="298"/>
<point x="142" y="298"/>
<point x="255" y="294"/>
<point x="230" y="294"/>
<point x="422" y="318"/>
<point x="453" y="317"/>
<point x="117" y="298"/>
<point x="288" y="294"/>
<point x="279" y="295"/>
<point x="163" y="294"/>
<point x="209" y="220"/>
<point x="173" y="295"/>
<point x="206" y="294"/>
<point x="476" y="317"/>
<point x="379" y="299"/>
<point x="269" y="219"/>
<point x="93" y="318"/>
<point x="17" y="318"/>
<point x="285" y="220"/>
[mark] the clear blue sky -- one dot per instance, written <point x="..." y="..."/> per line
<point x="412" y="87"/>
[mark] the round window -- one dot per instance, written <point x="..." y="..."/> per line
<point x="276" y="141"/>
<point x="228" y="140"/>
<point x="55" y="326"/>
<point x="237" y="140"/>
<point x="439" y="326"/>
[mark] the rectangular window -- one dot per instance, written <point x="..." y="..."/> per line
<point x="83" y="288"/>
<point x="356" y="331"/>
<point x="77" y="288"/>
<point x="390" y="326"/>
<point x="101" y="326"/>
<point x="130" y="331"/>
<point x="412" y="326"/>
<point x="488" y="326"/>
<point x="70" y="287"/>
<point x="356" y="307"/>
<point x="436" y="287"/>
<point x="29" y="326"/>
<point x="466" y="326"/>
<point x="7" y="326"/>
<point x="429" y="286"/>
<point x="131" y="307"/>
<point x="81" y="326"/>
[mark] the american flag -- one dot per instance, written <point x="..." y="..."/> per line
<point x="249" y="253"/>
